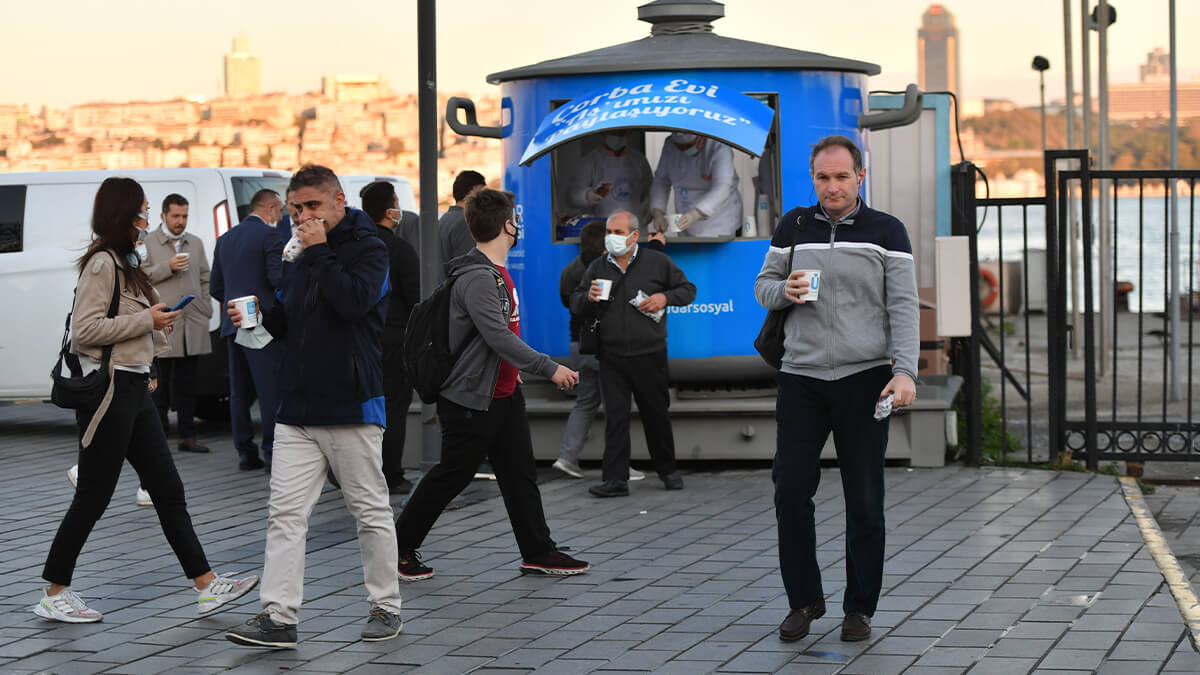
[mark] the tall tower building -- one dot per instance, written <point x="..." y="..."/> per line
<point x="243" y="73"/>
<point x="937" y="51"/>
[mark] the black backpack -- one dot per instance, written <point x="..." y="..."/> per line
<point x="428" y="358"/>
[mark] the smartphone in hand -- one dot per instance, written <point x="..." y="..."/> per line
<point x="182" y="303"/>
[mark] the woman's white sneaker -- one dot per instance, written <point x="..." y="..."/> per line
<point x="67" y="607"/>
<point x="222" y="590"/>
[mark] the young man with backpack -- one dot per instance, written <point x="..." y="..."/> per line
<point x="480" y="404"/>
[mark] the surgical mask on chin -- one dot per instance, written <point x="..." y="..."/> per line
<point x="615" y="143"/>
<point x="692" y="151"/>
<point x="138" y="255"/>
<point x="141" y="235"/>
<point x="616" y="244"/>
<point x="681" y="138"/>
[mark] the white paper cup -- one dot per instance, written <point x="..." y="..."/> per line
<point x="673" y="223"/>
<point x="186" y="258"/>
<point x="605" y="288"/>
<point x="814" y="284"/>
<point x="248" y="306"/>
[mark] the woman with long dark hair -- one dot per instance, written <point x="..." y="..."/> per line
<point x="125" y="426"/>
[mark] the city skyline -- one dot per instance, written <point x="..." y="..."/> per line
<point x="98" y="56"/>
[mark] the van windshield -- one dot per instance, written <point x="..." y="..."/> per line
<point x="245" y="187"/>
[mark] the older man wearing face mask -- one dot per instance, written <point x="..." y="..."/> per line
<point x="613" y="177"/>
<point x="633" y="347"/>
<point x="178" y="267"/>
<point x="706" y="186"/>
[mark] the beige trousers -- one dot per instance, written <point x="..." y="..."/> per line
<point x="302" y="453"/>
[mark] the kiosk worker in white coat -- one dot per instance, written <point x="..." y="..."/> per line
<point x="701" y="171"/>
<point x="613" y="177"/>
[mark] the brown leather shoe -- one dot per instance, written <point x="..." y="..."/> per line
<point x="190" y="445"/>
<point x="795" y="626"/>
<point x="856" y="627"/>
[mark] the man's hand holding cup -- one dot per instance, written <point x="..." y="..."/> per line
<point x="233" y="309"/>
<point x="178" y="262"/>
<point x="802" y="286"/>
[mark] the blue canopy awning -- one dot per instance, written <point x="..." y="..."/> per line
<point x="658" y="103"/>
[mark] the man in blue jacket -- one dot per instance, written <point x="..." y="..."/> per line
<point x="331" y="411"/>
<point x="247" y="261"/>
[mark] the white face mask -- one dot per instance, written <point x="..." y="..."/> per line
<point x="617" y="244"/>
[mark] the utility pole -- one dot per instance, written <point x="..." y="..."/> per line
<point x="1104" y="16"/>
<point x="1072" y="223"/>
<point x="1173" y="308"/>
<point x="431" y="446"/>
<point x="1041" y="64"/>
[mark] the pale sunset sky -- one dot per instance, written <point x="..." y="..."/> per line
<point x="74" y="51"/>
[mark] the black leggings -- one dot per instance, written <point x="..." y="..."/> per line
<point x="130" y="430"/>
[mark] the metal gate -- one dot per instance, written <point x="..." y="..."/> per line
<point x="1119" y="384"/>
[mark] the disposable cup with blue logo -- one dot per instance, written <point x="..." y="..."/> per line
<point x="814" y="284"/>
<point x="247" y="305"/>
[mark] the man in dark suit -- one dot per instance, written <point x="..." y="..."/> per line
<point x="247" y="261"/>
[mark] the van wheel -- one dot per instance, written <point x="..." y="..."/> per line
<point x="213" y="408"/>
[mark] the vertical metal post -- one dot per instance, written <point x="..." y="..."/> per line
<point x="1068" y="65"/>
<point x="1086" y="143"/>
<point x="431" y="447"/>
<point x="1086" y="71"/>
<point x="1042" y="94"/>
<point x="1173" y="239"/>
<point x="1105" y="224"/>
<point x="963" y="182"/>
<point x="1089" y="335"/>
<point x="1055" y="311"/>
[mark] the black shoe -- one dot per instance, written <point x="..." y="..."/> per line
<point x="485" y="471"/>
<point x="856" y="627"/>
<point x="400" y="487"/>
<point x="554" y="563"/>
<point x="610" y="488"/>
<point x="795" y="626"/>
<point x="673" y="481"/>
<point x="332" y="479"/>
<point x="190" y="445"/>
<point x="261" y="631"/>
<point x="250" y="463"/>
<point x="410" y="568"/>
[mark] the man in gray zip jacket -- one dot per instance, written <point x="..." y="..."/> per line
<point x="481" y="407"/>
<point x="844" y="352"/>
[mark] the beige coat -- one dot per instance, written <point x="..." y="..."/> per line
<point x="131" y="332"/>
<point x="190" y="336"/>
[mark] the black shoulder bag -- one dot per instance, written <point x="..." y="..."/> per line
<point x="77" y="391"/>
<point x="769" y="342"/>
<point x="589" y="331"/>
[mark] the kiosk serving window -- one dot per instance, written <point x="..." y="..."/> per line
<point x="706" y="190"/>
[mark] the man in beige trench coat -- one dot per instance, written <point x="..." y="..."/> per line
<point x="178" y="267"/>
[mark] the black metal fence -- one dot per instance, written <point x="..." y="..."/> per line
<point x="1070" y="374"/>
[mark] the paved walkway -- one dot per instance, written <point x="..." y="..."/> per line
<point x="988" y="571"/>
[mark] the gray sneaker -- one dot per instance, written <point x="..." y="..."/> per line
<point x="381" y="625"/>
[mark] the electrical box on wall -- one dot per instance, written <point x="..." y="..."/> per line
<point x="953" y="267"/>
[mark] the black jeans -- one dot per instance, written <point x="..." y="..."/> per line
<point x="646" y="378"/>
<point x="398" y="395"/>
<point x="806" y="411"/>
<point x="177" y="389"/>
<point x="130" y="430"/>
<point x="501" y="434"/>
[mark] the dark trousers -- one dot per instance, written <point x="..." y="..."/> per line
<point x="398" y="395"/>
<point x="130" y="431"/>
<point x="500" y="434"/>
<point x="253" y="373"/>
<point x="177" y="389"/>
<point x="806" y="411"/>
<point x="645" y="377"/>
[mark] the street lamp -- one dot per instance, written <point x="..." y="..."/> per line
<point x="1042" y="64"/>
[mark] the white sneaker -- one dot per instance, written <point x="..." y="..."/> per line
<point x="67" y="607"/>
<point x="634" y="474"/>
<point x="222" y="590"/>
<point x="568" y="467"/>
<point x="143" y="498"/>
<point x="73" y="475"/>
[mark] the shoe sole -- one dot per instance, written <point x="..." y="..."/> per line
<point x="855" y="638"/>
<point x="71" y="479"/>
<point x="567" y="472"/>
<point x="250" y="586"/>
<point x="251" y="642"/>
<point x="410" y="578"/>
<point x="385" y="637"/>
<point x="47" y="614"/>
<point x="553" y="571"/>
<point x="606" y="495"/>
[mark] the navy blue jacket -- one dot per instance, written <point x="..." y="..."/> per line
<point x="334" y="300"/>
<point x="246" y="261"/>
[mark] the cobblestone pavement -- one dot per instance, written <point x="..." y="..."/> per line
<point x="988" y="571"/>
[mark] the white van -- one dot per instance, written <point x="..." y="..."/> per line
<point x="45" y="226"/>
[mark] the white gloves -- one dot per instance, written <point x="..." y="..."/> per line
<point x="592" y="197"/>
<point x="688" y="219"/>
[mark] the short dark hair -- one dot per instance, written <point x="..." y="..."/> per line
<point x="466" y="181"/>
<point x="836" y="140"/>
<point x="486" y="212"/>
<point x="173" y="199"/>
<point x="315" y="175"/>
<point x="262" y="197"/>
<point x="377" y="198"/>
<point x="591" y="238"/>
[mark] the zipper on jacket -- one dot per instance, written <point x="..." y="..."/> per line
<point x="830" y="311"/>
